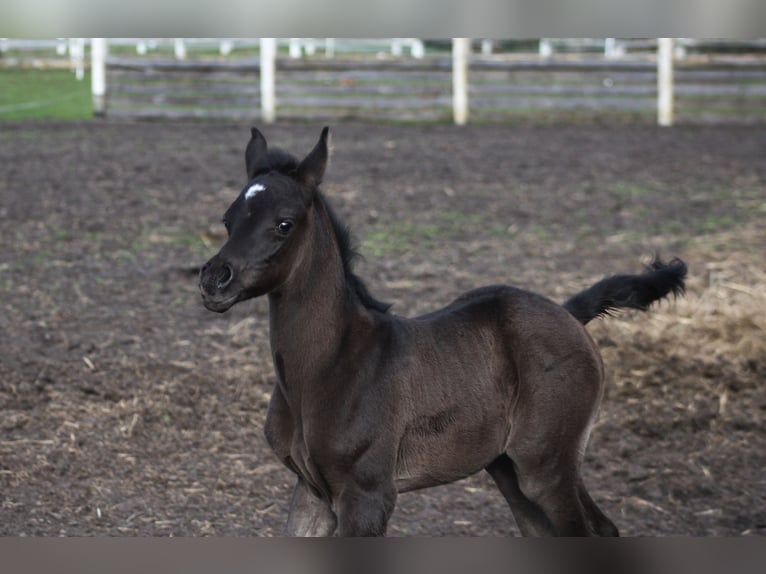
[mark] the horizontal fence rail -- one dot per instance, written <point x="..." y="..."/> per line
<point x="177" y="89"/>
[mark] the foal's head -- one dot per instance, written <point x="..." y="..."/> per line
<point x="264" y="224"/>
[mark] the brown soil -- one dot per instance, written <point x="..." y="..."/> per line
<point x="128" y="409"/>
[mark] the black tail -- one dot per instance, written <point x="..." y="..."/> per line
<point x="628" y="291"/>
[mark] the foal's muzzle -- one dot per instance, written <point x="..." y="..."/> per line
<point x="215" y="276"/>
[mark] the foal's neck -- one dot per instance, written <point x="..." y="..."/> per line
<point x="314" y="310"/>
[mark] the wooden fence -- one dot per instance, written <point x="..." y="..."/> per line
<point x="500" y="87"/>
<point x="410" y="79"/>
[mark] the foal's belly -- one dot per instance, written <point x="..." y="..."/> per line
<point x="445" y="447"/>
<point x="457" y="403"/>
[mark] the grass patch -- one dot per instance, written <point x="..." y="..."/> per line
<point x="401" y="237"/>
<point x="714" y="223"/>
<point x="398" y="238"/>
<point x="627" y="189"/>
<point x="44" y="94"/>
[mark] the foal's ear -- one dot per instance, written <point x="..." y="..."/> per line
<point x="256" y="154"/>
<point x="311" y="170"/>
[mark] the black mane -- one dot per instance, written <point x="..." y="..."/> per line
<point x="348" y="254"/>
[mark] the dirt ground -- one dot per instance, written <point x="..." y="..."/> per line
<point x="126" y="408"/>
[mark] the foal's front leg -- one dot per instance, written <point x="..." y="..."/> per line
<point x="309" y="515"/>
<point x="364" y="509"/>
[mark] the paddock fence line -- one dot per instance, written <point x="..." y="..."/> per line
<point x="408" y="79"/>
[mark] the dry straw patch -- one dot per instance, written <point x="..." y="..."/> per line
<point x="717" y="330"/>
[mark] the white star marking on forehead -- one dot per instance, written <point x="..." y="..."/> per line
<point x="255" y="189"/>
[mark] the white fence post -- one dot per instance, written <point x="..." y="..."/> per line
<point x="225" y="47"/>
<point x="417" y="48"/>
<point x="98" y="52"/>
<point x="546" y="48"/>
<point x="460" y="50"/>
<point x="295" y="47"/>
<point x="665" y="81"/>
<point x="268" y="80"/>
<point x="179" y="48"/>
<point x="77" y="56"/>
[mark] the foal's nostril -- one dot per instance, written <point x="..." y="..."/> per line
<point x="225" y="275"/>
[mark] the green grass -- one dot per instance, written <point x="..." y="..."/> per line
<point x="401" y="237"/>
<point x="43" y="94"/>
<point x="714" y="223"/>
<point x="398" y="237"/>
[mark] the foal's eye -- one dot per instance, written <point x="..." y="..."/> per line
<point x="284" y="227"/>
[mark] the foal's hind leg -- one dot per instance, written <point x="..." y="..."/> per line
<point x="552" y="486"/>
<point x="599" y="522"/>
<point x="547" y="469"/>
<point x="551" y="422"/>
<point x="530" y="519"/>
<point x="309" y="515"/>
